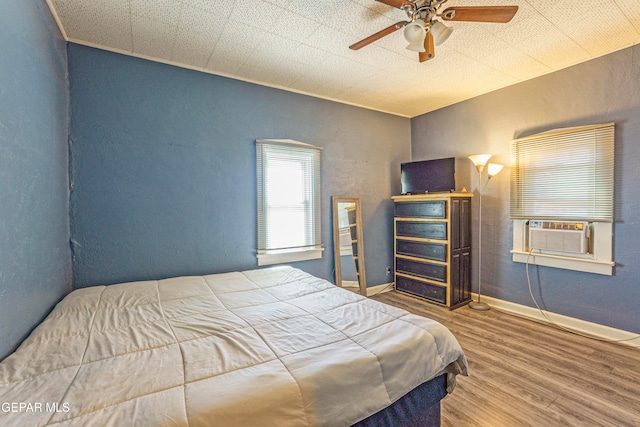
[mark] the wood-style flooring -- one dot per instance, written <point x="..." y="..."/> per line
<point x="526" y="373"/>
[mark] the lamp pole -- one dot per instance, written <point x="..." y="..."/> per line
<point x="479" y="161"/>
<point x="481" y="306"/>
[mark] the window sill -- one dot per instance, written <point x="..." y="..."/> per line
<point x="600" y="261"/>
<point x="568" y="263"/>
<point x="282" y="257"/>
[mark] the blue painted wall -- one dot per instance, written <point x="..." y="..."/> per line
<point x="163" y="168"/>
<point x="35" y="262"/>
<point x="603" y="90"/>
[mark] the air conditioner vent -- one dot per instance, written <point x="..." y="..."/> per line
<point x="561" y="236"/>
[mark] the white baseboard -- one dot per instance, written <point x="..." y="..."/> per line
<point x="379" y="289"/>
<point x="620" y="336"/>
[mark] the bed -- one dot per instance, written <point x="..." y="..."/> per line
<point x="266" y="347"/>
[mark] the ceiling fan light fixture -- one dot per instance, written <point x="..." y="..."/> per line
<point x="440" y="32"/>
<point x="424" y="28"/>
<point x="414" y="33"/>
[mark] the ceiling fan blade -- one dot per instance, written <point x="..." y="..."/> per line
<point x="500" y="14"/>
<point x="397" y="3"/>
<point x="380" y="34"/>
<point x="429" y="47"/>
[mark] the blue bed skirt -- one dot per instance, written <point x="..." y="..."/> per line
<point x="418" y="408"/>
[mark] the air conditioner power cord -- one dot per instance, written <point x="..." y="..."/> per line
<point x="564" y="328"/>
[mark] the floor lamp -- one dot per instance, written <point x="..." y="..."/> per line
<point x="479" y="161"/>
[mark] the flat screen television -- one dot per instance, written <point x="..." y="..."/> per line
<point x="428" y="176"/>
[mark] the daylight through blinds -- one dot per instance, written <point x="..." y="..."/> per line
<point x="288" y="195"/>
<point x="564" y="174"/>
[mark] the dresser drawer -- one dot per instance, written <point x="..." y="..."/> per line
<point x="425" y="230"/>
<point x="423" y="269"/>
<point x="434" y="209"/>
<point x="421" y="289"/>
<point x="433" y="251"/>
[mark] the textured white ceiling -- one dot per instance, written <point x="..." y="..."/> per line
<point x="302" y="45"/>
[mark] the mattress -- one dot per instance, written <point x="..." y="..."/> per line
<point x="272" y="346"/>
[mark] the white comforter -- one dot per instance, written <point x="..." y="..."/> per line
<point x="269" y="347"/>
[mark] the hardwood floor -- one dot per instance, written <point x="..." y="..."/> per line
<point x="525" y="373"/>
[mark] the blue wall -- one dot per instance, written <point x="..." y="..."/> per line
<point x="35" y="265"/>
<point x="163" y="168"/>
<point x="603" y="90"/>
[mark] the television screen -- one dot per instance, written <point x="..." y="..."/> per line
<point x="428" y="176"/>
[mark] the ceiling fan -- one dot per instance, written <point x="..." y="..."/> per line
<point x="424" y="29"/>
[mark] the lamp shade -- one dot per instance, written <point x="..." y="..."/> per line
<point x="479" y="160"/>
<point x="414" y="33"/>
<point x="440" y="32"/>
<point x="493" y="169"/>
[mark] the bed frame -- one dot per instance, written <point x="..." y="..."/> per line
<point x="418" y="408"/>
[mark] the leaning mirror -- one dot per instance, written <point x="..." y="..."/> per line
<point x="347" y="244"/>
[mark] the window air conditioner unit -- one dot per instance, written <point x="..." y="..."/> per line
<point x="561" y="236"/>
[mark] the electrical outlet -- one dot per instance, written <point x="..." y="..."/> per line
<point x="388" y="270"/>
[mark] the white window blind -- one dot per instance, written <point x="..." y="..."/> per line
<point x="289" y="201"/>
<point x="564" y="174"/>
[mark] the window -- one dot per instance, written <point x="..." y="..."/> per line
<point x="288" y="201"/>
<point x="562" y="193"/>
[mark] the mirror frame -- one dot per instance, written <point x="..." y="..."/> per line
<point x="362" y="278"/>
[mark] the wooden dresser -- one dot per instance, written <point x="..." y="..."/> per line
<point x="432" y="238"/>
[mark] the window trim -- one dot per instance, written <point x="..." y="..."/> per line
<point x="285" y="255"/>
<point x="598" y="262"/>
<point x="271" y="257"/>
<point x="599" y="259"/>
